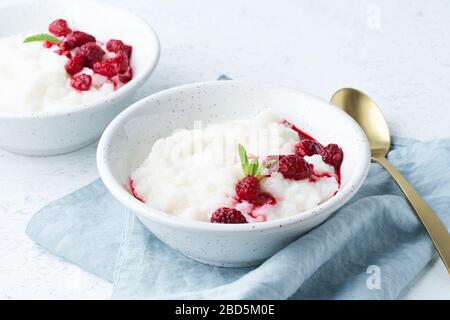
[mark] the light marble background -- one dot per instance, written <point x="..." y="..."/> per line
<point x="397" y="51"/>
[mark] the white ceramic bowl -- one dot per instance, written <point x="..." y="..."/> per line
<point x="56" y="132"/>
<point x="129" y="138"/>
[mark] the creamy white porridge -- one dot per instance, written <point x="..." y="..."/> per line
<point x="193" y="173"/>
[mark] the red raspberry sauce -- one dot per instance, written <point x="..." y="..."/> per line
<point x="133" y="191"/>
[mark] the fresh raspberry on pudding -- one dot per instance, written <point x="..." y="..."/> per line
<point x="128" y="50"/>
<point x="228" y="216"/>
<point x="92" y="52"/>
<point x="62" y="52"/>
<point x="75" y="64"/>
<point x="47" y="44"/>
<point x="332" y="155"/>
<point x="105" y="68"/>
<point x="248" y="189"/>
<point x="127" y="76"/>
<point x="116" y="46"/>
<point x="82" y="82"/>
<point x="59" y="28"/>
<point x="76" y="39"/>
<point x="121" y="59"/>
<point x="265" y="198"/>
<point x="308" y="148"/>
<point x="294" y="167"/>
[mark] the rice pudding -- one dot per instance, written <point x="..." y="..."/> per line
<point x="242" y="171"/>
<point x="60" y="70"/>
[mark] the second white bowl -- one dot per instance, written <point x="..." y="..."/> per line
<point x="57" y="132"/>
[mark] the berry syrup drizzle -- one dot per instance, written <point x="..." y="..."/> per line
<point x="133" y="191"/>
<point x="303" y="135"/>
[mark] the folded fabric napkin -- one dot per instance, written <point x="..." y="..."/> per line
<point x="370" y="249"/>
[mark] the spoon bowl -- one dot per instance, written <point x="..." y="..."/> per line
<point x="369" y="116"/>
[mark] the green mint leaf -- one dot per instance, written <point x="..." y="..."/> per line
<point x="257" y="170"/>
<point x="42" y="37"/>
<point x="260" y="170"/>
<point x="253" y="168"/>
<point x="244" y="158"/>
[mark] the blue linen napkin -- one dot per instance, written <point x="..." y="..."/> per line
<point x="370" y="249"/>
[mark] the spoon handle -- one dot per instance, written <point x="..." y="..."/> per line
<point x="435" y="228"/>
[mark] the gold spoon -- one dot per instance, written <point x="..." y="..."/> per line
<point x="364" y="110"/>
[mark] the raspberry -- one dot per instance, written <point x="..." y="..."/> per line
<point x="308" y="148"/>
<point x="76" y="64"/>
<point x="121" y="59"/>
<point x="111" y="67"/>
<point x="248" y="189"/>
<point x="332" y="155"/>
<point x="64" y="53"/>
<point x="128" y="50"/>
<point x="127" y="76"/>
<point x="294" y="167"/>
<point x="92" y="52"/>
<point x="228" y="216"/>
<point x="82" y="82"/>
<point x="114" y="45"/>
<point x="106" y="68"/>
<point x="265" y="198"/>
<point x="47" y="44"/>
<point x="76" y="39"/>
<point x="59" y="28"/>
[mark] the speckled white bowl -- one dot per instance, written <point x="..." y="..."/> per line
<point x="129" y="138"/>
<point x="57" y="132"/>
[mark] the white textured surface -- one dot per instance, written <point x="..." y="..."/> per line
<point x="395" y="51"/>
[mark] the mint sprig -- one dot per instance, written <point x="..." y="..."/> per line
<point x="42" y="37"/>
<point x="253" y="168"/>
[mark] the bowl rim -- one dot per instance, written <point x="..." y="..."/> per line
<point x="145" y="211"/>
<point x="104" y="101"/>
